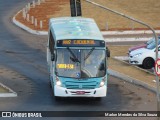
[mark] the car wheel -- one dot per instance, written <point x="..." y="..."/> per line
<point x="148" y="63"/>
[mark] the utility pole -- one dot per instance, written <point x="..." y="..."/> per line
<point x="75" y="7"/>
<point x="155" y="36"/>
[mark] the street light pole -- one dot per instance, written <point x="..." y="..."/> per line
<point x="155" y="36"/>
<point x="75" y="8"/>
<point x="75" y="2"/>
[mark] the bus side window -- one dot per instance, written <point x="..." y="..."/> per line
<point x="51" y="45"/>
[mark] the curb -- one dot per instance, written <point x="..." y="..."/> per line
<point x="129" y="32"/>
<point x="126" y="39"/>
<point x="10" y="94"/>
<point x="22" y="26"/>
<point x="131" y="80"/>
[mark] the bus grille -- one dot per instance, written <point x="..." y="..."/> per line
<point x="81" y="85"/>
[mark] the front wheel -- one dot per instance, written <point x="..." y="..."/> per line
<point x="148" y="63"/>
<point x="98" y="98"/>
<point x="57" y="98"/>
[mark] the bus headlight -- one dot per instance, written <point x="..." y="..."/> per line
<point x="58" y="82"/>
<point x="102" y="83"/>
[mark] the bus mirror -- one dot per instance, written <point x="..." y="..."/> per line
<point x="107" y="52"/>
<point x="101" y="67"/>
<point x="52" y="57"/>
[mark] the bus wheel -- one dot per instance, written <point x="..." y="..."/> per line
<point x="98" y="98"/>
<point x="57" y="98"/>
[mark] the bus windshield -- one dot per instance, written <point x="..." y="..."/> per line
<point x="81" y="63"/>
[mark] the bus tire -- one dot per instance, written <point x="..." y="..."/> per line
<point x="57" y="98"/>
<point x="98" y="98"/>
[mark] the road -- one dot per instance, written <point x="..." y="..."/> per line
<point x="23" y="56"/>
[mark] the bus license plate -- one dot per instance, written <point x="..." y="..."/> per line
<point x="80" y="92"/>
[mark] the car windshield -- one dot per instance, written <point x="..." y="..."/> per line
<point x="150" y="41"/>
<point x="80" y="63"/>
<point x="152" y="45"/>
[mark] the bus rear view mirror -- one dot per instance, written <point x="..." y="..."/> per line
<point x="102" y="67"/>
<point x="107" y="52"/>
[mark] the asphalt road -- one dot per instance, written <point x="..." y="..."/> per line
<point x="23" y="56"/>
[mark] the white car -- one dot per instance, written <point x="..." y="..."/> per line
<point x="144" y="56"/>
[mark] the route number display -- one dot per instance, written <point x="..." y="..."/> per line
<point x="80" y="43"/>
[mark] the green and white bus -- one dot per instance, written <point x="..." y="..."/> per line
<point x="76" y="57"/>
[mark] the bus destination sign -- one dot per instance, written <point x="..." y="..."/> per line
<point x="80" y="43"/>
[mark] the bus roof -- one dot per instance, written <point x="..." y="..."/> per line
<point x="75" y="28"/>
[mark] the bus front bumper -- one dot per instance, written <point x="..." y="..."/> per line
<point x="64" y="92"/>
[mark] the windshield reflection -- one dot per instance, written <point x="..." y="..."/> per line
<point x="152" y="45"/>
<point x="80" y="63"/>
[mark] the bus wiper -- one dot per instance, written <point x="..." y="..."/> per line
<point x="74" y="58"/>
<point x="90" y="52"/>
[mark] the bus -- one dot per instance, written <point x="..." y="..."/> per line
<point x="76" y="58"/>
